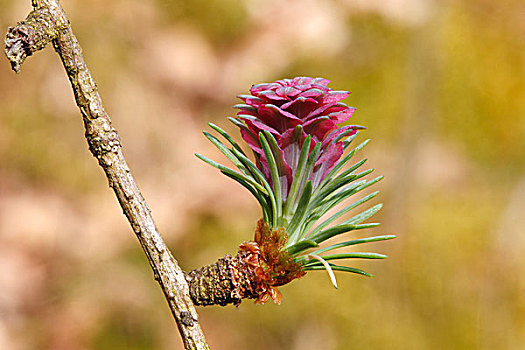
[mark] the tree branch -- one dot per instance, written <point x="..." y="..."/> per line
<point x="48" y="23"/>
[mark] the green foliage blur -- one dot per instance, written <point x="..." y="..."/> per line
<point x="440" y="85"/>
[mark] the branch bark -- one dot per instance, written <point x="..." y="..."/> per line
<point x="47" y="23"/>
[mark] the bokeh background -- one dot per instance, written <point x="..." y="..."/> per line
<point x="440" y="86"/>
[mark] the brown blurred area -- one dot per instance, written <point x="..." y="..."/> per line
<point x="440" y="86"/>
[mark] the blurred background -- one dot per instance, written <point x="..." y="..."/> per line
<point x="440" y="86"/>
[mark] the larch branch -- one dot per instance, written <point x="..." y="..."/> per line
<point x="47" y="23"/>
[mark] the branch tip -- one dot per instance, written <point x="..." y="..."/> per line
<point x="30" y="35"/>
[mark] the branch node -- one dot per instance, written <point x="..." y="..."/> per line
<point x="187" y="319"/>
